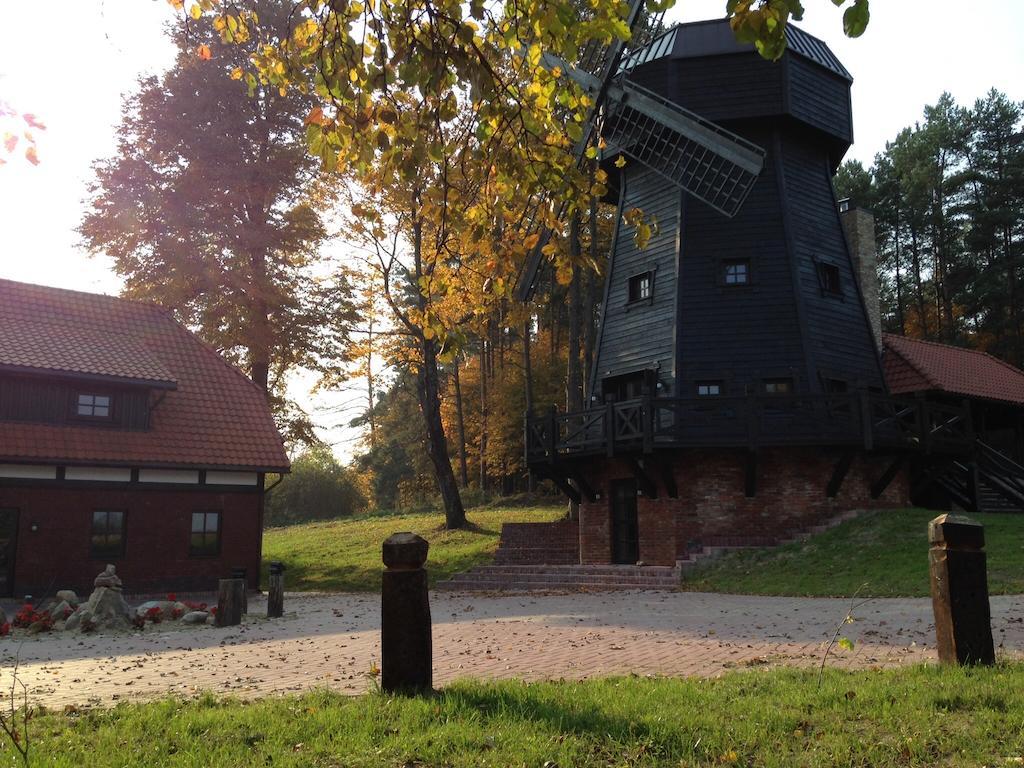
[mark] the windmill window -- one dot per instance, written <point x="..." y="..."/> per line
<point x="641" y="287"/>
<point x="778" y="386"/>
<point x="89" y="405"/>
<point x="828" y="276"/>
<point x="736" y="271"/>
<point x="205" y="540"/>
<point x="709" y="388"/>
<point x="107" y="538"/>
<point x="835" y="386"/>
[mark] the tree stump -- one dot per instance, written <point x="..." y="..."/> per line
<point x="959" y="586"/>
<point x="239" y="573"/>
<point x="406" y="652"/>
<point x="230" y="598"/>
<point x="275" y="591"/>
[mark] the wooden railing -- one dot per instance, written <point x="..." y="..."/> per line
<point x="850" y="418"/>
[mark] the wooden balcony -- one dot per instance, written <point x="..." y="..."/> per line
<point x="853" y="420"/>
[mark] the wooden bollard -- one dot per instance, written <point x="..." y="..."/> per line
<point x="230" y="595"/>
<point x="239" y="573"/>
<point x="959" y="584"/>
<point x="406" y="653"/>
<point x="275" y="591"/>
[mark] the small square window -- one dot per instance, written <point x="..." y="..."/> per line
<point x="736" y="271"/>
<point x="641" y="286"/>
<point x="205" y="538"/>
<point x="778" y="386"/>
<point x="709" y="388"/>
<point x="93" y="406"/>
<point x="835" y="386"/>
<point x="107" y="540"/>
<point x="828" y="274"/>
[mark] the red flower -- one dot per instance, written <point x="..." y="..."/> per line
<point x="172" y="597"/>
<point x="5" y="629"/>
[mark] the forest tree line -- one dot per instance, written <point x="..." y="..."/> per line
<point x="948" y="199"/>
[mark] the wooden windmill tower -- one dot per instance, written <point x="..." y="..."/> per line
<point x="737" y="387"/>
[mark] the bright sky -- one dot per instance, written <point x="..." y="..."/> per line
<point x="71" y="68"/>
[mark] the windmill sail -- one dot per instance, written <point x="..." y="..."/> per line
<point x="704" y="159"/>
<point x="709" y="162"/>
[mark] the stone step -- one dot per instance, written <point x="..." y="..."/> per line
<point x="652" y="571"/>
<point x="528" y="578"/>
<point x="504" y="586"/>
<point x="563" y="578"/>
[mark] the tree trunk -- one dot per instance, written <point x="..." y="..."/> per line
<point x="483" y="415"/>
<point x="463" y="468"/>
<point x="573" y="374"/>
<point x="428" y="390"/>
<point x="589" y="309"/>
<point x="531" y="481"/>
<point x="260" y="330"/>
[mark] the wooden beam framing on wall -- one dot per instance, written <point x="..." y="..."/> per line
<point x="885" y="479"/>
<point x="839" y="474"/>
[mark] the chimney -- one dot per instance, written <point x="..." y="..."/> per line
<point x="859" y="226"/>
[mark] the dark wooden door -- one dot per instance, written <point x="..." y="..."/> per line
<point x="8" y="545"/>
<point x="625" y="532"/>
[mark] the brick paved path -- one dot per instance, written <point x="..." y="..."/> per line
<point x="333" y="640"/>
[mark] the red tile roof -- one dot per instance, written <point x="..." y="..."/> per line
<point x="215" y="417"/>
<point x="917" y="366"/>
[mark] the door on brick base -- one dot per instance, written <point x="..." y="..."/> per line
<point x="625" y="531"/>
<point x="8" y="544"/>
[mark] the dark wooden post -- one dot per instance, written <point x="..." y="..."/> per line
<point x="275" y="591"/>
<point x="609" y="426"/>
<point x="752" y="430"/>
<point x="924" y="430"/>
<point x="239" y="573"/>
<point x="867" y="427"/>
<point x="552" y="435"/>
<point x="406" y="653"/>
<point x="959" y="584"/>
<point x="647" y="421"/>
<point x="230" y="596"/>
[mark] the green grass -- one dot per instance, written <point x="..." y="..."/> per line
<point x="887" y="550"/>
<point x="344" y="555"/>
<point x="915" y="716"/>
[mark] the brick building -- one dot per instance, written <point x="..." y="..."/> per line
<point x="124" y="439"/>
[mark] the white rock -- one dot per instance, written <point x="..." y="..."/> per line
<point x="166" y="608"/>
<point x="195" y="617"/>
<point x="68" y="596"/>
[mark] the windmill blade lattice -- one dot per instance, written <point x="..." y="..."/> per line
<point x="709" y="162"/>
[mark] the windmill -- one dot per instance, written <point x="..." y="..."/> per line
<point x="699" y="157"/>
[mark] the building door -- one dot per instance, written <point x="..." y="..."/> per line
<point x="8" y="545"/>
<point x="625" y="531"/>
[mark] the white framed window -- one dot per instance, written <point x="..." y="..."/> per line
<point x="93" y="406"/>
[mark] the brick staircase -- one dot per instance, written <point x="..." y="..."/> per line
<point x="556" y="543"/>
<point x="545" y="557"/>
<point x="569" y="578"/>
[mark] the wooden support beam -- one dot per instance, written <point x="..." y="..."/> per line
<point x="643" y="480"/>
<point x="839" y="474"/>
<point x="885" y="479"/>
<point x="586" y="489"/>
<point x="750" y="481"/>
<point x="668" y="479"/>
<point x="562" y="483"/>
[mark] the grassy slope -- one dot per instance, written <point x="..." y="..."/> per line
<point x="345" y="554"/>
<point x="917" y="716"/>
<point x="886" y="550"/>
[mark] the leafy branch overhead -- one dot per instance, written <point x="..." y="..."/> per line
<point x="404" y="85"/>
